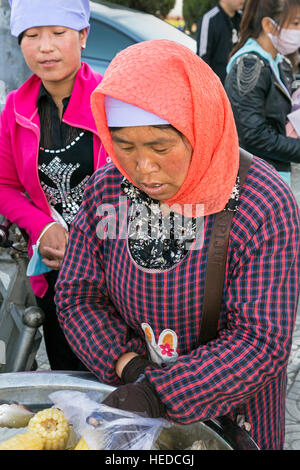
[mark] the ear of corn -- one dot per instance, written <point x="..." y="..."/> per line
<point x="47" y="430"/>
<point x="53" y="428"/>
<point x="82" y="445"/>
<point x="27" y="441"/>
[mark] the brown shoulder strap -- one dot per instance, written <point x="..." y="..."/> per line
<point x="216" y="263"/>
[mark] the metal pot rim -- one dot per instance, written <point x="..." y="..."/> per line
<point x="236" y="437"/>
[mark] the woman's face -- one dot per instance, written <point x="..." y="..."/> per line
<point x="53" y="53"/>
<point x="156" y="159"/>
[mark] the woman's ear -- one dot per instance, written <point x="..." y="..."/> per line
<point x="269" y="26"/>
<point x="83" y="37"/>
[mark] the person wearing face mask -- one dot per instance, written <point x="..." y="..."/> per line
<point x="49" y="146"/>
<point x="260" y="78"/>
<point x="286" y="41"/>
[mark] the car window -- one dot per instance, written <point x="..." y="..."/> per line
<point x="104" y="42"/>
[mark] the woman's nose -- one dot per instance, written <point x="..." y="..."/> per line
<point x="46" y="43"/>
<point x="146" y="165"/>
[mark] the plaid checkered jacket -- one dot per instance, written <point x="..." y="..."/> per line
<point x="104" y="300"/>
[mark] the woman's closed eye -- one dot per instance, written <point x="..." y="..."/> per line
<point x="59" y="33"/>
<point x="160" y="150"/>
<point x="32" y="35"/>
<point x="127" y="148"/>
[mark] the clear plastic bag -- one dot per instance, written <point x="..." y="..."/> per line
<point x="106" y="428"/>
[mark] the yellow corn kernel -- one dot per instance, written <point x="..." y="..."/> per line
<point x="82" y="445"/>
<point x="27" y="441"/>
<point x="52" y="426"/>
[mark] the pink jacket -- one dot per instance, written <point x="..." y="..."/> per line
<point x="23" y="201"/>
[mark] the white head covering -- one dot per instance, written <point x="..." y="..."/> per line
<point x="27" y="14"/>
<point x="122" y="114"/>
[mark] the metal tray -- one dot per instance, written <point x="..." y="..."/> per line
<point x="33" y="388"/>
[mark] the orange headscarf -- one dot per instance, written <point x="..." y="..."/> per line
<point x="171" y="81"/>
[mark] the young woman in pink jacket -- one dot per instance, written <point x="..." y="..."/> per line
<point x="49" y="145"/>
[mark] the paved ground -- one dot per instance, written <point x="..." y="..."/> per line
<point x="292" y="440"/>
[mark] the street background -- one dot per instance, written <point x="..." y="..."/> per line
<point x="13" y="72"/>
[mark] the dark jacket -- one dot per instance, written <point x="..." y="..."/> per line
<point x="216" y="35"/>
<point x="260" y="106"/>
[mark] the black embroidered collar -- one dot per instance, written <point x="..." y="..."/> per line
<point x="158" y="241"/>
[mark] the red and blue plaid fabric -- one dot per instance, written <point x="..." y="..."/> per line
<point x="103" y="297"/>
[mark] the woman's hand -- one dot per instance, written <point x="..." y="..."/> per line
<point x="53" y="245"/>
<point x="131" y="366"/>
<point x="139" y="397"/>
<point x="123" y="361"/>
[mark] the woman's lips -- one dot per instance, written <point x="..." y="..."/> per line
<point x="49" y="63"/>
<point x="153" y="189"/>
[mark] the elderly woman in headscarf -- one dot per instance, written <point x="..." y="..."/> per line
<point x="130" y="291"/>
<point x="49" y="146"/>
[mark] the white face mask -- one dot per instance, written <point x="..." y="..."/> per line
<point x="287" y="41"/>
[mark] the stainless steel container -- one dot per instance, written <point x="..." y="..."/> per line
<point x="33" y="389"/>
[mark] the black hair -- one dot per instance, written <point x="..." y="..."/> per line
<point x="20" y="37"/>
<point x="159" y="126"/>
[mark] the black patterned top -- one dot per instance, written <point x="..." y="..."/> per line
<point x="159" y="239"/>
<point x="65" y="161"/>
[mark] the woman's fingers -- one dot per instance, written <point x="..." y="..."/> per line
<point x="55" y="237"/>
<point x="53" y="257"/>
